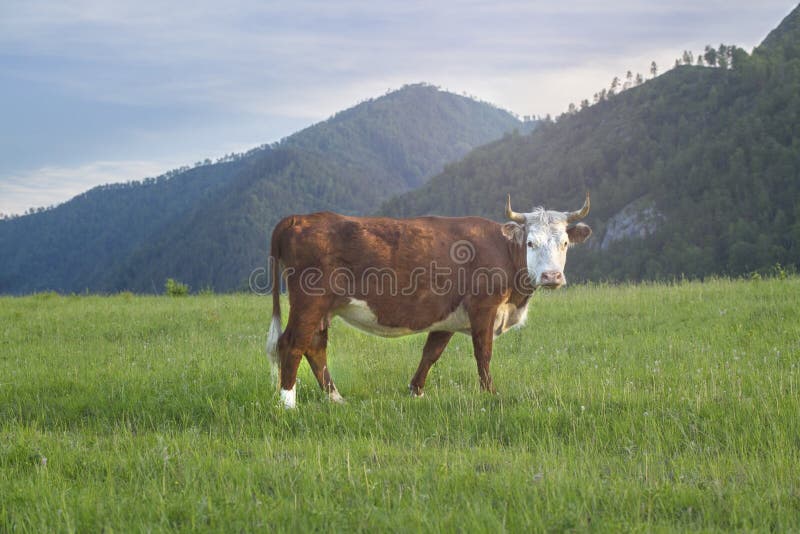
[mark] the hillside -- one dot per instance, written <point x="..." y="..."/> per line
<point x="704" y="161"/>
<point x="71" y="247"/>
<point x="209" y="226"/>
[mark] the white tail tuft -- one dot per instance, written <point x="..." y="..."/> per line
<point x="272" y="347"/>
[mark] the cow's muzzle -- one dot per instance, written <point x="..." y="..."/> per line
<point x="552" y="279"/>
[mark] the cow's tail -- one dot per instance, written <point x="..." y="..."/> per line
<point x="275" y="326"/>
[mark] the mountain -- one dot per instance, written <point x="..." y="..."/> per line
<point x="783" y="39"/>
<point x="72" y="247"/>
<point x="209" y="225"/>
<point x="695" y="172"/>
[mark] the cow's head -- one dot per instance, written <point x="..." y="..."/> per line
<point x="546" y="236"/>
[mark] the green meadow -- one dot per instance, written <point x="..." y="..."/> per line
<point x="660" y="407"/>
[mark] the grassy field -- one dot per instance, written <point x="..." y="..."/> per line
<point x="620" y="408"/>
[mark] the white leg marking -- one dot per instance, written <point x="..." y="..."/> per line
<point x="289" y="398"/>
<point x="414" y="394"/>
<point x="334" y="396"/>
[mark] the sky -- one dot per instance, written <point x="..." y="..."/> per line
<point x="103" y="91"/>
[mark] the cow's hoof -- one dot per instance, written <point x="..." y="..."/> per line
<point x="289" y="398"/>
<point x="335" y="397"/>
<point x="416" y="393"/>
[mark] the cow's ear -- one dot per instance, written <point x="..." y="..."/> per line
<point x="579" y="233"/>
<point x="514" y="232"/>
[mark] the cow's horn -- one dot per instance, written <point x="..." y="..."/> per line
<point x="573" y="216"/>
<point x="514" y="216"/>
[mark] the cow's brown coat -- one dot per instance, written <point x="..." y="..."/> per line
<point x="326" y="243"/>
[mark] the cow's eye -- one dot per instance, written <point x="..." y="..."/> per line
<point x="530" y="244"/>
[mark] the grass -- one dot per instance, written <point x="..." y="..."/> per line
<point x="652" y="407"/>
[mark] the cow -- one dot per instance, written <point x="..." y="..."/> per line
<point x="394" y="277"/>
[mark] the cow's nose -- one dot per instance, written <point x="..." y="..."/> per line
<point x="552" y="279"/>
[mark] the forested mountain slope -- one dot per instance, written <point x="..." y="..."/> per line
<point x="693" y="173"/>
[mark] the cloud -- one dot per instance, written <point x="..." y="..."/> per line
<point x="252" y="56"/>
<point x="53" y="185"/>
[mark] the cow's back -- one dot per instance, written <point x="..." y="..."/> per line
<point x="328" y="240"/>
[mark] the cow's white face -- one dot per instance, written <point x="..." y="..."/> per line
<point x="546" y="239"/>
<point x="546" y="243"/>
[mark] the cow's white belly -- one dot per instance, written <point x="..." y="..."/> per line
<point x="357" y="313"/>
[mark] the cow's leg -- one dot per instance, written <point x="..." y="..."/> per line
<point x="434" y="347"/>
<point x="482" y="344"/>
<point x="304" y="321"/>
<point x="290" y="356"/>
<point x="317" y="357"/>
<point x="481" y="323"/>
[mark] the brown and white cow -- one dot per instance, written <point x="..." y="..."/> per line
<point x="394" y="277"/>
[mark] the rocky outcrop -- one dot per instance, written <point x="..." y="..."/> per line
<point x="638" y="219"/>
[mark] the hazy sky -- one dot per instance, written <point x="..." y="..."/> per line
<point x="107" y="91"/>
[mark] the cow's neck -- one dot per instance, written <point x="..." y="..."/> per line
<point x="521" y="291"/>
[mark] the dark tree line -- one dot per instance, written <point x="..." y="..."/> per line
<point x="725" y="57"/>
